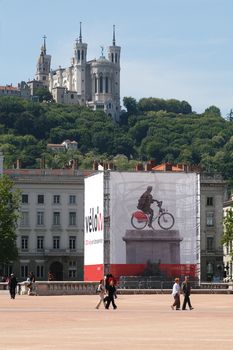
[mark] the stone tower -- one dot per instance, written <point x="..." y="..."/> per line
<point x="79" y="62"/>
<point x="43" y="66"/>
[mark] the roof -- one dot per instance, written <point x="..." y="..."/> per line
<point x="8" y="87"/>
<point x="56" y="145"/>
<point x="162" y="167"/>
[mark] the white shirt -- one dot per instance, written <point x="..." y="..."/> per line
<point x="175" y="289"/>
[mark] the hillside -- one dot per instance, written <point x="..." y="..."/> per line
<point x="150" y="129"/>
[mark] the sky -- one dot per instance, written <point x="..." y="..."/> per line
<point x="179" y="49"/>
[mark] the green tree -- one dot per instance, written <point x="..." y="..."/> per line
<point x="131" y="105"/>
<point x="227" y="236"/>
<point x="43" y="94"/>
<point x="9" y="205"/>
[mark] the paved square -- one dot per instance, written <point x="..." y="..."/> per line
<point x="140" y="322"/>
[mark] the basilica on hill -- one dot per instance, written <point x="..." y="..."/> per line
<point x="94" y="83"/>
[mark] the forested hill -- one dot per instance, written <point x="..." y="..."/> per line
<point x="164" y="130"/>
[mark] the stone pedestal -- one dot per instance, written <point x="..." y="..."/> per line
<point x="157" y="246"/>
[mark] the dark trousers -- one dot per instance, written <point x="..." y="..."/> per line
<point x="176" y="301"/>
<point x="110" y="299"/>
<point x="12" y="292"/>
<point x="186" y="300"/>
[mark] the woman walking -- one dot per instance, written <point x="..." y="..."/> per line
<point x="101" y="292"/>
<point x="176" y="294"/>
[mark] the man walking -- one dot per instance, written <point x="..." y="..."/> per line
<point x="12" y="283"/>
<point x="186" y="289"/>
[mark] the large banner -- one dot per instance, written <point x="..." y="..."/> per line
<point x="94" y="227"/>
<point x="154" y="223"/>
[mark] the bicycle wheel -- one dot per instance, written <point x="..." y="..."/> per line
<point x="166" y="221"/>
<point x="138" y="224"/>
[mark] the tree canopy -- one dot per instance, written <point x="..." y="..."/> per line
<point x="9" y="204"/>
<point x="151" y="128"/>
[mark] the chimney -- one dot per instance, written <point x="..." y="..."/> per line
<point x="95" y="165"/>
<point x="18" y="164"/>
<point x="148" y="166"/>
<point x="168" y="167"/>
<point x="180" y="166"/>
<point x="139" y="167"/>
<point x="153" y="163"/>
<point x="110" y="166"/>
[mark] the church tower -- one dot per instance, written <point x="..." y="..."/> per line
<point x="79" y="64"/>
<point x="43" y="66"/>
<point x="114" y="52"/>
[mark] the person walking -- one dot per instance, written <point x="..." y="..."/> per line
<point x="186" y="289"/>
<point x="111" y="294"/>
<point x="101" y="292"/>
<point x="12" y="284"/>
<point x="176" y="294"/>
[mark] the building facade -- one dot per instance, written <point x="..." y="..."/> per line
<point x="213" y="191"/>
<point x="50" y="228"/>
<point x="95" y="83"/>
<point x="227" y="248"/>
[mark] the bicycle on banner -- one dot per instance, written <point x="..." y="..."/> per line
<point x="140" y="219"/>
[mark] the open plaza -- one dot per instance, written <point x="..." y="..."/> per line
<point x="140" y="322"/>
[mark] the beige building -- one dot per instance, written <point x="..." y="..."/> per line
<point x="227" y="248"/>
<point x="212" y="197"/>
<point x="50" y="229"/>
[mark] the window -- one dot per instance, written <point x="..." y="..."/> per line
<point x="40" y="242"/>
<point x="24" y="271"/>
<point x="24" y="218"/>
<point x="210" y="219"/>
<point x="72" y="269"/>
<point x="56" y="242"/>
<point x="101" y="85"/>
<point x="72" y="199"/>
<point x="40" y="199"/>
<point x="39" y="271"/>
<point x="40" y="218"/>
<point x="56" y="199"/>
<point x="24" y="243"/>
<point x="210" y="243"/>
<point x="72" y="273"/>
<point x="106" y="84"/>
<point x="72" y="243"/>
<point x="95" y="85"/>
<point x="72" y="218"/>
<point x="25" y="198"/>
<point x="209" y="201"/>
<point x="56" y="218"/>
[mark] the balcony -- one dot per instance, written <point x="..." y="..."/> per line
<point x="49" y="252"/>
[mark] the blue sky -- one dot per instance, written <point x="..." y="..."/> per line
<point x="170" y="48"/>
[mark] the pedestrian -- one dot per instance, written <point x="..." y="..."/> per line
<point x="50" y="276"/>
<point x="176" y="294"/>
<point x="101" y="292"/>
<point x="30" y="282"/>
<point x="109" y="277"/>
<point x="111" y="295"/>
<point x="12" y="284"/>
<point x="186" y="289"/>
